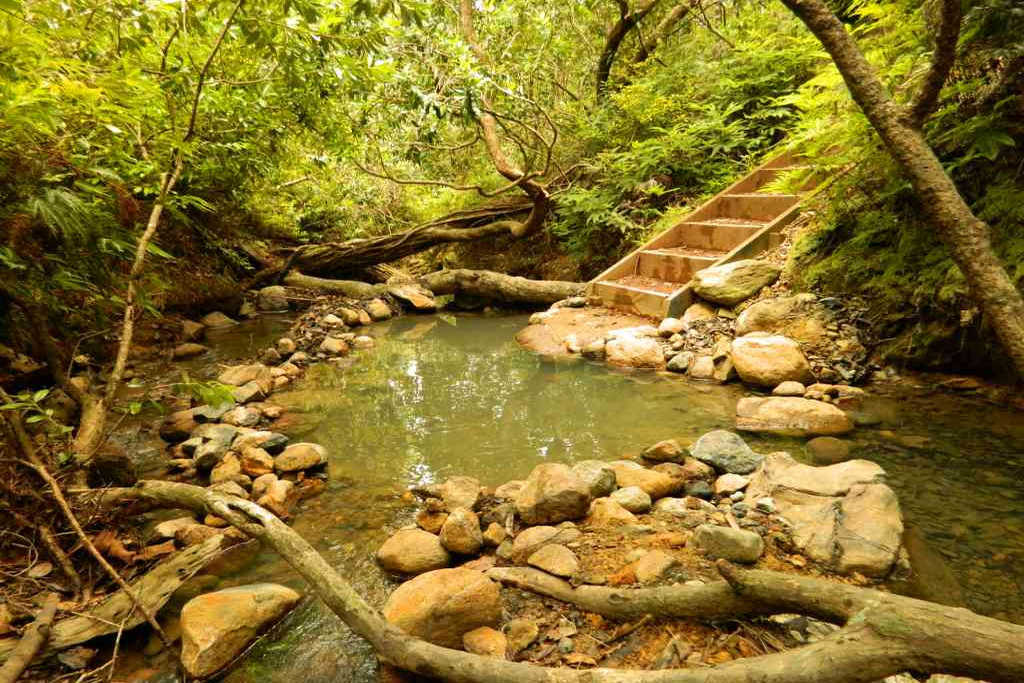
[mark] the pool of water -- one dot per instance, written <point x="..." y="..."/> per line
<point x="445" y="395"/>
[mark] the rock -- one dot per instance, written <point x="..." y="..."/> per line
<point x="331" y="320"/>
<point x="209" y="454"/>
<point x="789" y="388"/>
<point x="378" y="309"/>
<point x="485" y="641"/>
<point x="553" y="493"/>
<point x="333" y="346"/>
<point x="653" y="565"/>
<point x="216" y="319"/>
<point x="680" y="362"/>
<point x="670" y="326"/>
<point x="606" y="512"/>
<point x="194" y="534"/>
<point x="249" y="392"/>
<point x="521" y="633"/>
<point x="632" y="498"/>
<point x="726" y="451"/>
<point x="634" y="352"/>
<point x="495" y="535"/>
<point x="460" y="533"/>
<point x="533" y="538"/>
<point x="841" y="516"/>
<point x="725" y="370"/>
<point x="594" y="350"/>
<point x="539" y="317"/>
<point x="790" y="416"/>
<point x="256" y="462"/>
<point x="555" y="559"/>
<point x="665" y="451"/>
<point x="702" y="367"/>
<point x="363" y="342"/>
<point x="239" y="375"/>
<point x="696" y="312"/>
<point x="418" y="297"/>
<point x="798" y="317"/>
<point x="734" y="282"/>
<point x="178" y="425"/>
<point x="192" y="331"/>
<point x="413" y="551"/>
<point x="828" y="450"/>
<point x="278" y="497"/>
<point x="242" y="416"/>
<point x="597" y="476"/>
<point x="728" y="484"/>
<point x="654" y="484"/>
<point x="735" y="545"/>
<point x="285" y="346"/>
<point x="273" y="298"/>
<point x="638" y="331"/>
<point x="698" y="489"/>
<point x="188" y="350"/>
<point x="227" y="469"/>
<point x="271" y="442"/>
<point x="460" y="492"/>
<point x="443" y="605"/>
<point x="216" y="627"/>
<point x="349" y="316"/>
<point x="230" y="488"/>
<point x="509" y="490"/>
<point x="300" y="456"/>
<point x="769" y="361"/>
<point x="170" y="527"/>
<point x="261" y="484"/>
<point x="220" y="434"/>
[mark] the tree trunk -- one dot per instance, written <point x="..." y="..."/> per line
<point x="883" y="634"/>
<point x="966" y="237"/>
<point x="627" y="21"/>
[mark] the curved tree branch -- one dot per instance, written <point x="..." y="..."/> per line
<point x="943" y="58"/>
<point x="627" y="21"/>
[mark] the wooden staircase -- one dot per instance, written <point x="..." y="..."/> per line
<point x="738" y="223"/>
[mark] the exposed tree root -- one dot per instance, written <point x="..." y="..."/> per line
<point x="31" y="641"/>
<point x="882" y="635"/>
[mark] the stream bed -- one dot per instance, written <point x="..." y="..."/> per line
<point x="444" y="395"/>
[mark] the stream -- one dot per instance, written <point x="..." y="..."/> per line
<point x="443" y="395"/>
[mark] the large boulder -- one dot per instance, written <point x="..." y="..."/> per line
<point x="770" y="360"/>
<point x="843" y="516"/>
<point x="635" y="352"/>
<point x="273" y="298"/>
<point x="441" y="606"/>
<point x="553" y="493"/>
<point x="412" y="551"/>
<point x="216" y="627"/>
<point x="798" y="317"/>
<point x="790" y="416"/>
<point x="732" y="283"/>
<point x="726" y="451"/>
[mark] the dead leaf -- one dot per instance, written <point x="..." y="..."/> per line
<point x="108" y="544"/>
<point x="580" y="659"/>
<point x="39" y="570"/>
<point x="151" y="552"/>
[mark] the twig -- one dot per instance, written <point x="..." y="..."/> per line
<point x="34" y="637"/>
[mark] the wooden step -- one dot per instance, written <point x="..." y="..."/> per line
<point x="750" y="206"/>
<point x="758" y="180"/>
<point x="670" y="267"/>
<point x="715" y="235"/>
<point x="617" y="294"/>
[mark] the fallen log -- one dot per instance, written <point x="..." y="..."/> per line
<point x="882" y="634"/>
<point x="350" y="288"/>
<point x="31" y="641"/>
<point x="152" y="591"/>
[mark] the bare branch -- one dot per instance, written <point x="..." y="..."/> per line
<point x="943" y="58"/>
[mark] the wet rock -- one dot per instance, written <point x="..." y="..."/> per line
<point x="485" y="641"/>
<point x="635" y="352"/>
<point x="443" y="605"/>
<point x="239" y="375"/>
<point x="460" y="492"/>
<point x="696" y="312"/>
<point x="300" y="456"/>
<point x="769" y="361"/>
<point x="242" y="416"/>
<point x="521" y="633"/>
<point x="279" y="497"/>
<point x="261" y="484"/>
<point x="726" y="451"/>
<point x="256" y="462"/>
<point x="178" y="426"/>
<point x="509" y="490"/>
<point x="606" y="512"/>
<point x="334" y="346"/>
<point x="192" y="331"/>
<point x="594" y="350"/>
<point x="216" y="319"/>
<point x="418" y="297"/>
<point x="790" y="416"/>
<point x="363" y="342"/>
<point x="285" y="346"/>
<point x="227" y="469"/>
<point x="735" y="545"/>
<point x="665" y="451"/>
<point x="460" y="533"/>
<point x="789" y="388"/>
<point x="553" y="493"/>
<point x="271" y="442"/>
<point x="273" y="298"/>
<point x="378" y="309"/>
<point x="698" y="489"/>
<point x="413" y="551"/>
<point x="734" y="282"/>
<point x="216" y="627"/>
<point x="655" y="484"/>
<point x="728" y="484"/>
<point x="653" y="565"/>
<point x="188" y="350"/>
<point x="632" y="498"/>
<point x="670" y="326"/>
<point x="597" y="476"/>
<point x="431" y="521"/>
<point x="555" y="559"/>
<point x="250" y="391"/>
<point x="680" y="362"/>
<point x="495" y="535"/>
<point x="702" y="367"/>
<point x="828" y="450"/>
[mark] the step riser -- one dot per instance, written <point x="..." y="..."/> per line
<point x="670" y="267"/>
<point x="747" y="207"/>
<point x="631" y="300"/>
<point x="710" y="236"/>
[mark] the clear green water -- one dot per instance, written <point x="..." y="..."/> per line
<point x="443" y="396"/>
